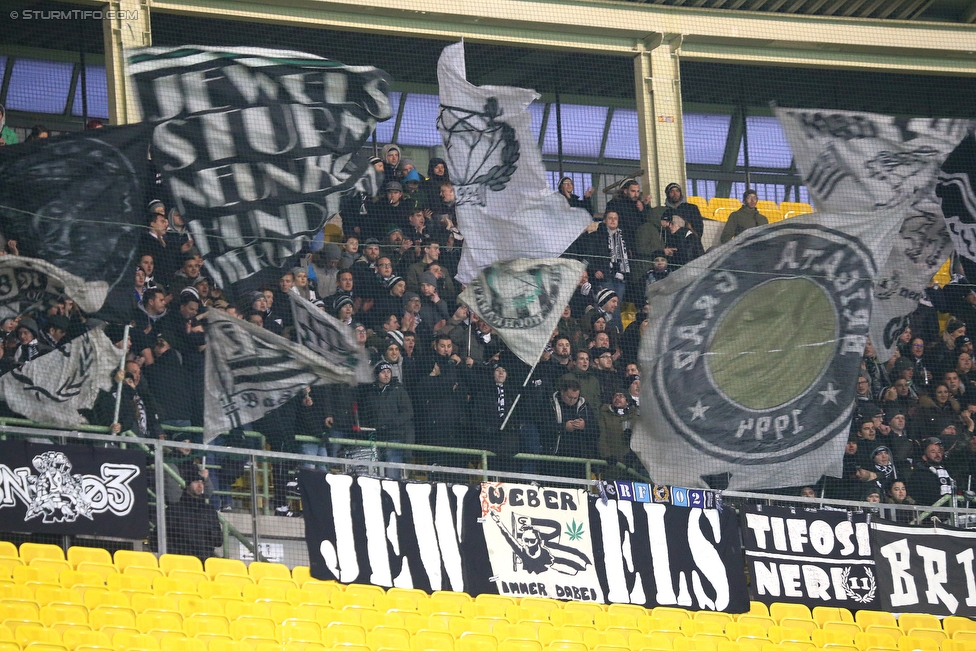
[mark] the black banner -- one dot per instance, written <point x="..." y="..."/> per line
<point x="73" y="489"/>
<point x="816" y="558"/>
<point x="432" y="537"/>
<point x="254" y="146"/>
<point x="77" y="202"/>
<point x="925" y="570"/>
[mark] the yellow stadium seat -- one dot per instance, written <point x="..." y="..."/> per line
<point x="772" y="216"/>
<point x="175" y="643"/>
<point x="790" y="645"/>
<point x="779" y="634"/>
<point x="967" y="637"/>
<point x="764" y="205"/>
<point x="168" y="586"/>
<point x="520" y="645"/>
<point x="724" y="202"/>
<point x="874" y="618"/>
<point x="103" y="616"/>
<point x="609" y="647"/>
<point x="701" y="202"/>
<point x="114" y="599"/>
<point x="937" y="635"/>
<point x="50" y="594"/>
<point x="864" y="641"/>
<point x="73" y="639"/>
<point x="200" y="624"/>
<point x="710" y="616"/>
<point x="129" y="642"/>
<point x="128" y="583"/>
<point x="142" y="603"/>
<point x="188" y="577"/>
<point x="33" y="575"/>
<point x="821" y="638"/>
<point x="9" y="564"/>
<point x="722" y="214"/>
<point x="425" y="640"/>
<point x="9" y="646"/>
<point x="908" y="621"/>
<point x="823" y="614"/>
<point x="28" y="634"/>
<point x="302" y="574"/>
<point x="19" y="610"/>
<point x="259" y="570"/>
<point x="338" y="633"/>
<point x="170" y="562"/>
<point x="909" y="643"/>
<point x="735" y="630"/>
<point x="209" y="590"/>
<point x="476" y="642"/>
<point x="891" y="631"/>
<point x="228" y="645"/>
<point x="386" y="637"/>
<point x="958" y="645"/>
<point x="297" y="630"/>
<point x="18" y="592"/>
<point x="52" y="565"/>
<point x="78" y="554"/>
<point x="954" y="623"/>
<point x="215" y="566"/>
<point x="83" y="581"/>
<point x="765" y="622"/>
<point x="805" y="623"/>
<point x="752" y="643"/>
<point x="667" y="612"/>
<point x="779" y="610"/>
<point x="284" y="585"/>
<point x="793" y="208"/>
<point x="30" y="551"/>
<point x="849" y="628"/>
<point x="159" y="621"/>
<point x="52" y="614"/>
<point x="233" y="579"/>
<point x="150" y="573"/>
<point x="41" y="646"/>
<point x="8" y="550"/>
<point x="253" y="627"/>
<point x="840" y="647"/>
<point x="104" y="570"/>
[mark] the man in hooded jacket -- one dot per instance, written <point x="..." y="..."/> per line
<point x="675" y="204"/>
<point x="744" y="218"/>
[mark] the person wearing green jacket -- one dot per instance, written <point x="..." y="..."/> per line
<point x="744" y="218"/>
<point x="7" y="135"/>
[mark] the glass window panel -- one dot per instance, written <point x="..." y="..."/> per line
<point x="384" y="130"/>
<point x="39" y="86"/>
<point x="581" y="180"/>
<point x="705" y="137"/>
<point x="97" y="87"/>
<point x="768" y="146"/>
<point x="623" y="141"/>
<point x="419" y="124"/>
<point x="536" y="109"/>
<point x="582" y="128"/>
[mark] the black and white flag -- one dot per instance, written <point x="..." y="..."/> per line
<point x="256" y="145"/>
<point x="53" y="387"/>
<point x="505" y="207"/>
<point x="74" y="204"/>
<point x="329" y="337"/>
<point x="925" y="569"/>
<point x="250" y="371"/>
<point x="861" y="162"/>
<point x="73" y="489"/>
<point x="752" y="350"/>
<point x="809" y="556"/>
<point x="523" y="300"/>
<point x="955" y="189"/>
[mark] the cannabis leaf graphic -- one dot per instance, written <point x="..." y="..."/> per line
<point x="575" y="531"/>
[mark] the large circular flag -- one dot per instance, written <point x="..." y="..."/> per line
<point x="752" y="352"/>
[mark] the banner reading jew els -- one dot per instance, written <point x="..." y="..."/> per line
<point x="72" y="489"/>
<point x="540" y="539"/>
<point x="752" y="350"/>
<point x="816" y="558"/>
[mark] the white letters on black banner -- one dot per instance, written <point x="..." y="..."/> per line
<point x="817" y="558"/>
<point x="925" y="570"/>
<point x="520" y="541"/>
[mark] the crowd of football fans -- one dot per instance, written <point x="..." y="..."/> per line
<point x="443" y="377"/>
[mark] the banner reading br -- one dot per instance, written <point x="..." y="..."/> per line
<point x="539" y="542"/>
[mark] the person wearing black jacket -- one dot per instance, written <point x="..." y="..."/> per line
<point x="566" y="189"/>
<point x="387" y="410"/>
<point x="443" y="390"/>
<point x="192" y="526"/>
<point x="675" y="204"/>
<point x="571" y="429"/>
<point x="930" y="480"/>
<point x="138" y="410"/>
<point x="491" y="403"/>
<point x="631" y="208"/>
<point x="168" y="378"/>
<point x="163" y="246"/>
<point x="681" y="245"/>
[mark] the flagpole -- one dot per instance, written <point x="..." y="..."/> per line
<point x="519" y="396"/>
<point x="118" y="396"/>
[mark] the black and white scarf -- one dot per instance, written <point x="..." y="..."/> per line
<point x="618" y="251"/>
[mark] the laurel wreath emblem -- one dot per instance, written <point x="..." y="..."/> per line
<point x="855" y="596"/>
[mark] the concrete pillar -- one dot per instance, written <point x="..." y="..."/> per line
<point x="659" y="118"/>
<point x="127" y="29"/>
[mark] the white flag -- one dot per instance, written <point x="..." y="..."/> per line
<point x="751" y="353"/>
<point x="53" y="387"/>
<point x="250" y="371"/>
<point x="326" y="335"/>
<point x="27" y="283"/>
<point x="523" y="300"/>
<point x="505" y="208"/>
<point x="863" y="161"/>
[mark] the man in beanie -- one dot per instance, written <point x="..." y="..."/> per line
<point x="431" y="253"/>
<point x="607" y="301"/>
<point x="571" y="428"/>
<point x="411" y="321"/>
<point x="675" y="204"/>
<point x="391" y="162"/>
<point x="388" y="211"/>
<point x="744" y="218"/>
<point x="930" y="480"/>
<point x="616" y="421"/>
<point x="192" y="527"/>
<point x="604" y="372"/>
<point x="433" y="309"/>
<point x="387" y="410"/>
<point x="55" y="332"/>
<point x="30" y="346"/>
